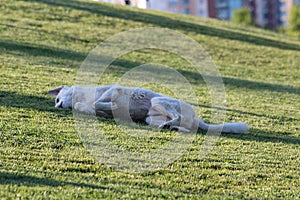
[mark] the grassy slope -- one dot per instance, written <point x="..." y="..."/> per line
<point x="43" y="43"/>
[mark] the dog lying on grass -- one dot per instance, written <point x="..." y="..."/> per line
<point x="140" y="105"/>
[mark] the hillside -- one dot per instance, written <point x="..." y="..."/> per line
<point x="42" y="45"/>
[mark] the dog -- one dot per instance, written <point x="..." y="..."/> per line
<point x="158" y="110"/>
<point x="137" y="104"/>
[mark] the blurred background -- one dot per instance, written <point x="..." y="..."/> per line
<point x="269" y="14"/>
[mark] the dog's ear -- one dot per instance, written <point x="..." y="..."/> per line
<point x="54" y="92"/>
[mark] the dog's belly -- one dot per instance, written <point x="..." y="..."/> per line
<point x="140" y="103"/>
<point x="138" y="109"/>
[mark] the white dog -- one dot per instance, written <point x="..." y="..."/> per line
<point x="139" y="105"/>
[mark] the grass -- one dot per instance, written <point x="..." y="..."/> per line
<point x="42" y="45"/>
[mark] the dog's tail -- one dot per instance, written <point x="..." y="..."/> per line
<point x="233" y="127"/>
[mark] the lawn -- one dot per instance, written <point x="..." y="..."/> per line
<point x="42" y="45"/>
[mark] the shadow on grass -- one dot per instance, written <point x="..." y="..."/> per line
<point x="18" y="179"/>
<point x="32" y="181"/>
<point x="241" y="83"/>
<point x="67" y="37"/>
<point x="167" y="22"/>
<point x="260" y="86"/>
<point x="127" y="65"/>
<point x="42" y="50"/>
<point x="284" y="118"/>
<point x="263" y="136"/>
<point x="12" y="99"/>
<point x="120" y="67"/>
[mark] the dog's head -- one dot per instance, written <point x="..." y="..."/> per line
<point x="63" y="96"/>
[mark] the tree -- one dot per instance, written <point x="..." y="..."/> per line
<point x="294" y="21"/>
<point x="242" y="16"/>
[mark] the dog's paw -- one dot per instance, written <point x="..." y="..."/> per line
<point x="78" y="106"/>
<point x="179" y="129"/>
<point x="174" y="128"/>
<point x="165" y="125"/>
<point x="100" y="113"/>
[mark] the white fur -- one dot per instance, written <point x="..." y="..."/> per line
<point x="63" y="96"/>
<point x="151" y="107"/>
<point x="233" y="127"/>
<point x="163" y="112"/>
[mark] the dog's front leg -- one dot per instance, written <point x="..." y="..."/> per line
<point x="105" y="106"/>
<point x="84" y="108"/>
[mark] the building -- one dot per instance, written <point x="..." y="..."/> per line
<point x="202" y="8"/>
<point x="265" y="13"/>
<point x="136" y="3"/>
<point x="191" y="7"/>
<point x="158" y="5"/>
<point x="114" y="1"/>
<point x="272" y="13"/>
<point x="223" y="9"/>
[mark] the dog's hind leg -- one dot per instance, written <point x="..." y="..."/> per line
<point x="156" y="120"/>
<point x="161" y="107"/>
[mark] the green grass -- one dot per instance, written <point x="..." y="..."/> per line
<point x="43" y="43"/>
